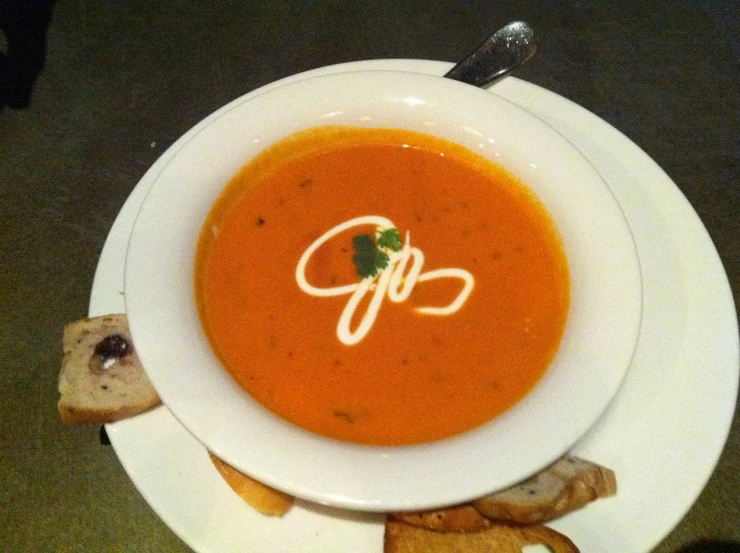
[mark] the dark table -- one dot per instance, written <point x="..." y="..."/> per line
<point x="124" y="80"/>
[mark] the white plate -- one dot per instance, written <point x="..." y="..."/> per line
<point x="674" y="409"/>
<point x="594" y="354"/>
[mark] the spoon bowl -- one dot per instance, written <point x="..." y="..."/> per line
<point x="504" y="51"/>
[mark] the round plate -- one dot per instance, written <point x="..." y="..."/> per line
<point x="662" y="417"/>
<point x="594" y="354"/>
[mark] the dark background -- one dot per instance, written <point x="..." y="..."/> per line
<point x="123" y="80"/>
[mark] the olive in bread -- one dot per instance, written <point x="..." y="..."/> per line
<point x="102" y="379"/>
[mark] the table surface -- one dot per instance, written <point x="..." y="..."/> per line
<point x="124" y="80"/>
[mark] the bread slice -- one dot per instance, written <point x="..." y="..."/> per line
<point x="497" y="538"/>
<point x="265" y="499"/>
<point x="461" y="518"/>
<point x="567" y="485"/>
<point x="102" y="379"/>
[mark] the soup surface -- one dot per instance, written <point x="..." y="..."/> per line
<point x="468" y="326"/>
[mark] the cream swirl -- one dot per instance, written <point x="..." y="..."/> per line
<point x="396" y="281"/>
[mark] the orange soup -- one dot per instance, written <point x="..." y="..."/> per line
<point x="381" y="286"/>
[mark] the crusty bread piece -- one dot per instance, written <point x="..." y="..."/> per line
<point x="567" y="485"/>
<point x="497" y="538"/>
<point x="102" y="379"/>
<point x="265" y="499"/>
<point x="461" y="518"/>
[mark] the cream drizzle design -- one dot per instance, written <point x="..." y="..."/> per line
<point x="391" y="281"/>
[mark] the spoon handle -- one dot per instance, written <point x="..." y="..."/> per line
<point x="507" y="49"/>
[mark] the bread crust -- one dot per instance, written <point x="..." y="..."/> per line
<point x="94" y="389"/>
<point x="498" y="537"/>
<point x="565" y="486"/>
<point x="73" y="415"/>
<point x="265" y="499"/>
<point x="462" y="518"/>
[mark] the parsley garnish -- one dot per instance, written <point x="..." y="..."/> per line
<point x="390" y="239"/>
<point x="369" y="258"/>
<point x="364" y="257"/>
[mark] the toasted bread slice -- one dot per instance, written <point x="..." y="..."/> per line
<point x="497" y="538"/>
<point x="567" y="485"/>
<point x="265" y="499"/>
<point x="102" y="379"/>
<point x="461" y="518"/>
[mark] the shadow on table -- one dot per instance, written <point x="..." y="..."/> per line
<point x="23" y="25"/>
<point x="711" y="546"/>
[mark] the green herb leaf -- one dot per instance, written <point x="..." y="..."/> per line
<point x="369" y="258"/>
<point x="365" y="255"/>
<point x="390" y="239"/>
<point x="381" y="260"/>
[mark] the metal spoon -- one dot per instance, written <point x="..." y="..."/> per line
<point x="507" y="49"/>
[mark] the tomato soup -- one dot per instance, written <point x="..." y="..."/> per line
<point x="381" y="286"/>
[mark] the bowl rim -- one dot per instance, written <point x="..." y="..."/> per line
<point x="369" y="478"/>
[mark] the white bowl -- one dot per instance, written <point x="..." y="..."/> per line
<point x="593" y="358"/>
